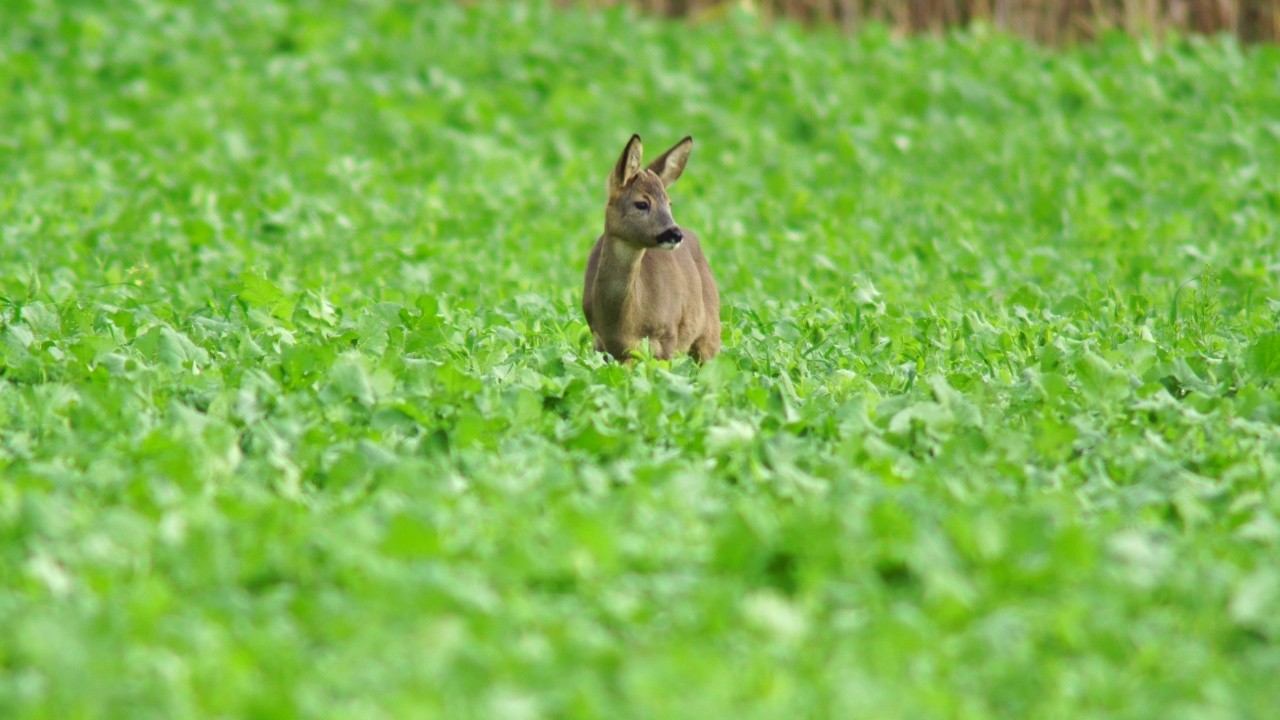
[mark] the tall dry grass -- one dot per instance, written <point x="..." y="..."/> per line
<point x="1051" y="21"/>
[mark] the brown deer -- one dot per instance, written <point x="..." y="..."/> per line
<point x="646" y="276"/>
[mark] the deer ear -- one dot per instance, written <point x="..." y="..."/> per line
<point x="670" y="164"/>
<point x="628" y="165"/>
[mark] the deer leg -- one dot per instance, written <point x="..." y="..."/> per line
<point x="705" y="347"/>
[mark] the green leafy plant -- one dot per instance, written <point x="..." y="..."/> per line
<point x="299" y="414"/>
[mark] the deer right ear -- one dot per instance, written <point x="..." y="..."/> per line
<point x="628" y="165"/>
<point x="670" y="164"/>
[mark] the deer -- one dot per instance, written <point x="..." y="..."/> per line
<point x="646" y="276"/>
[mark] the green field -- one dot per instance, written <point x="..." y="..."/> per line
<point x="299" y="415"/>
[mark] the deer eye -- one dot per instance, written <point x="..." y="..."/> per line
<point x="642" y="205"/>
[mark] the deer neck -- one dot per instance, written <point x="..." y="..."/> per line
<point x="618" y="280"/>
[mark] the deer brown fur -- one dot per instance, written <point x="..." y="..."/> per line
<point x="646" y="276"/>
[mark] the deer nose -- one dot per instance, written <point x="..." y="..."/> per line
<point x="670" y="237"/>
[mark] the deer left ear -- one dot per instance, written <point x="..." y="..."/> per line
<point x="628" y="165"/>
<point x="670" y="165"/>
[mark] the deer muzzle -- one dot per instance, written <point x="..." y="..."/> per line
<point x="670" y="238"/>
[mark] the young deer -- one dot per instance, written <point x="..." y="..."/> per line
<point x="630" y="293"/>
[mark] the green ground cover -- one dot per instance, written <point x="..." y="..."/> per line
<point x="299" y="417"/>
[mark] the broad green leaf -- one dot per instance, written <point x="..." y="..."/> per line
<point x="1099" y="380"/>
<point x="258" y="291"/>
<point x="1263" y="357"/>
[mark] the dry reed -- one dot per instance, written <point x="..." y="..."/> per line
<point x="1050" y="21"/>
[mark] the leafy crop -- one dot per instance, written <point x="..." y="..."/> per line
<point x="299" y="417"/>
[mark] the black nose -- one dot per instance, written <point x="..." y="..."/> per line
<point x="671" y="237"/>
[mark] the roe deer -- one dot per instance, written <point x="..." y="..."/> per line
<point x="646" y="276"/>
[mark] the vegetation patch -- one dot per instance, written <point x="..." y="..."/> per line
<point x="299" y="414"/>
